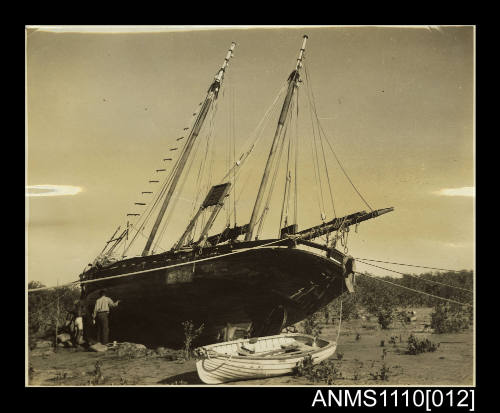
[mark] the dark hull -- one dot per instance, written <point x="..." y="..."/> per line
<point x="270" y="287"/>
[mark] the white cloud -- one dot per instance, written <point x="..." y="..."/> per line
<point x="464" y="191"/>
<point x="52" y="190"/>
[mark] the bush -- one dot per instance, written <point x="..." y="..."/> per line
<point x="378" y="300"/>
<point x="382" y="373"/>
<point x="358" y="366"/>
<point x="42" y="309"/>
<point x="326" y="371"/>
<point x="311" y="325"/>
<point x="385" y="316"/>
<point x="416" y="346"/>
<point x="448" y="319"/>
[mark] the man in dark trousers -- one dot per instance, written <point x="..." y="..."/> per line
<point x="101" y="312"/>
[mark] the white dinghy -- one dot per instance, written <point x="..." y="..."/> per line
<point x="260" y="357"/>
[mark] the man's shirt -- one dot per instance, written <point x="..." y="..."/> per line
<point x="103" y="304"/>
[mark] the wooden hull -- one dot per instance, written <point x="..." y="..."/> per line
<point x="226" y="366"/>
<point x="270" y="287"/>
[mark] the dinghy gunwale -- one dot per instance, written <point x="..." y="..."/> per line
<point x="300" y="354"/>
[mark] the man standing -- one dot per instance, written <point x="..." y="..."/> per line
<point x="101" y="312"/>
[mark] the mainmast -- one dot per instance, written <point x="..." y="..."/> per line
<point x="292" y="84"/>
<point x="212" y="94"/>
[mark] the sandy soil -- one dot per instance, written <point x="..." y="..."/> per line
<point x="451" y="364"/>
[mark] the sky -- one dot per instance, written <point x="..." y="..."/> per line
<point x="104" y="110"/>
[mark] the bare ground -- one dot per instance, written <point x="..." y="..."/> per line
<point x="359" y="349"/>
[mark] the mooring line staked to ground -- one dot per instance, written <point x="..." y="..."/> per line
<point x="408" y="265"/>
<point x="416" y="277"/>
<point x="155" y="269"/>
<point x="416" y="291"/>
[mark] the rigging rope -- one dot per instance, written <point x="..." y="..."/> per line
<point x="213" y="111"/>
<point x="143" y="235"/>
<point x="45" y="306"/>
<point x="286" y="192"/>
<point x="327" y="176"/>
<point x="340" y="315"/>
<point x="418" y="278"/>
<point x="296" y="194"/>
<point x="158" y="268"/>
<point x="275" y="165"/>
<point x="312" y="111"/>
<point x="416" y="291"/>
<point x="331" y="147"/>
<point x="257" y="133"/>
<point x="317" y="175"/>
<point x="146" y="215"/>
<point x="408" y="265"/>
<point x="237" y="168"/>
<point x="233" y="130"/>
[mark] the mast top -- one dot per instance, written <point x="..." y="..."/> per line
<point x="229" y="54"/>
<point x="301" y="53"/>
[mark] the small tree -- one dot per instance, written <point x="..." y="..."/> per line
<point x="190" y="334"/>
<point x="42" y="308"/>
<point x="385" y="316"/>
<point x="416" y="346"/>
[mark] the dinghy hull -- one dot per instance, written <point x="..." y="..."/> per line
<point x="223" y="364"/>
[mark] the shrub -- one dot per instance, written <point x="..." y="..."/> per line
<point x="304" y="366"/>
<point x="311" y="325"/>
<point x="326" y="371"/>
<point x="357" y="370"/>
<point x="97" y="376"/>
<point x="190" y="334"/>
<point x="42" y="309"/>
<point x="385" y="317"/>
<point x="448" y="319"/>
<point x="416" y="346"/>
<point x="382" y="373"/>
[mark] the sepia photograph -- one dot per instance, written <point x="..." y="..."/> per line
<point x="250" y="206"/>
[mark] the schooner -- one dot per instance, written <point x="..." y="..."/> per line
<point x="230" y="277"/>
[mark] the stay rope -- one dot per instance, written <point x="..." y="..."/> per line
<point x="408" y="265"/>
<point x="340" y="315"/>
<point x="312" y="111"/>
<point x="416" y="291"/>
<point x="331" y="147"/>
<point x="157" y="268"/>
<point x="418" y="278"/>
<point x="275" y="166"/>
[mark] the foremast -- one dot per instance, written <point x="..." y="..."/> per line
<point x="293" y="80"/>
<point x="212" y="94"/>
